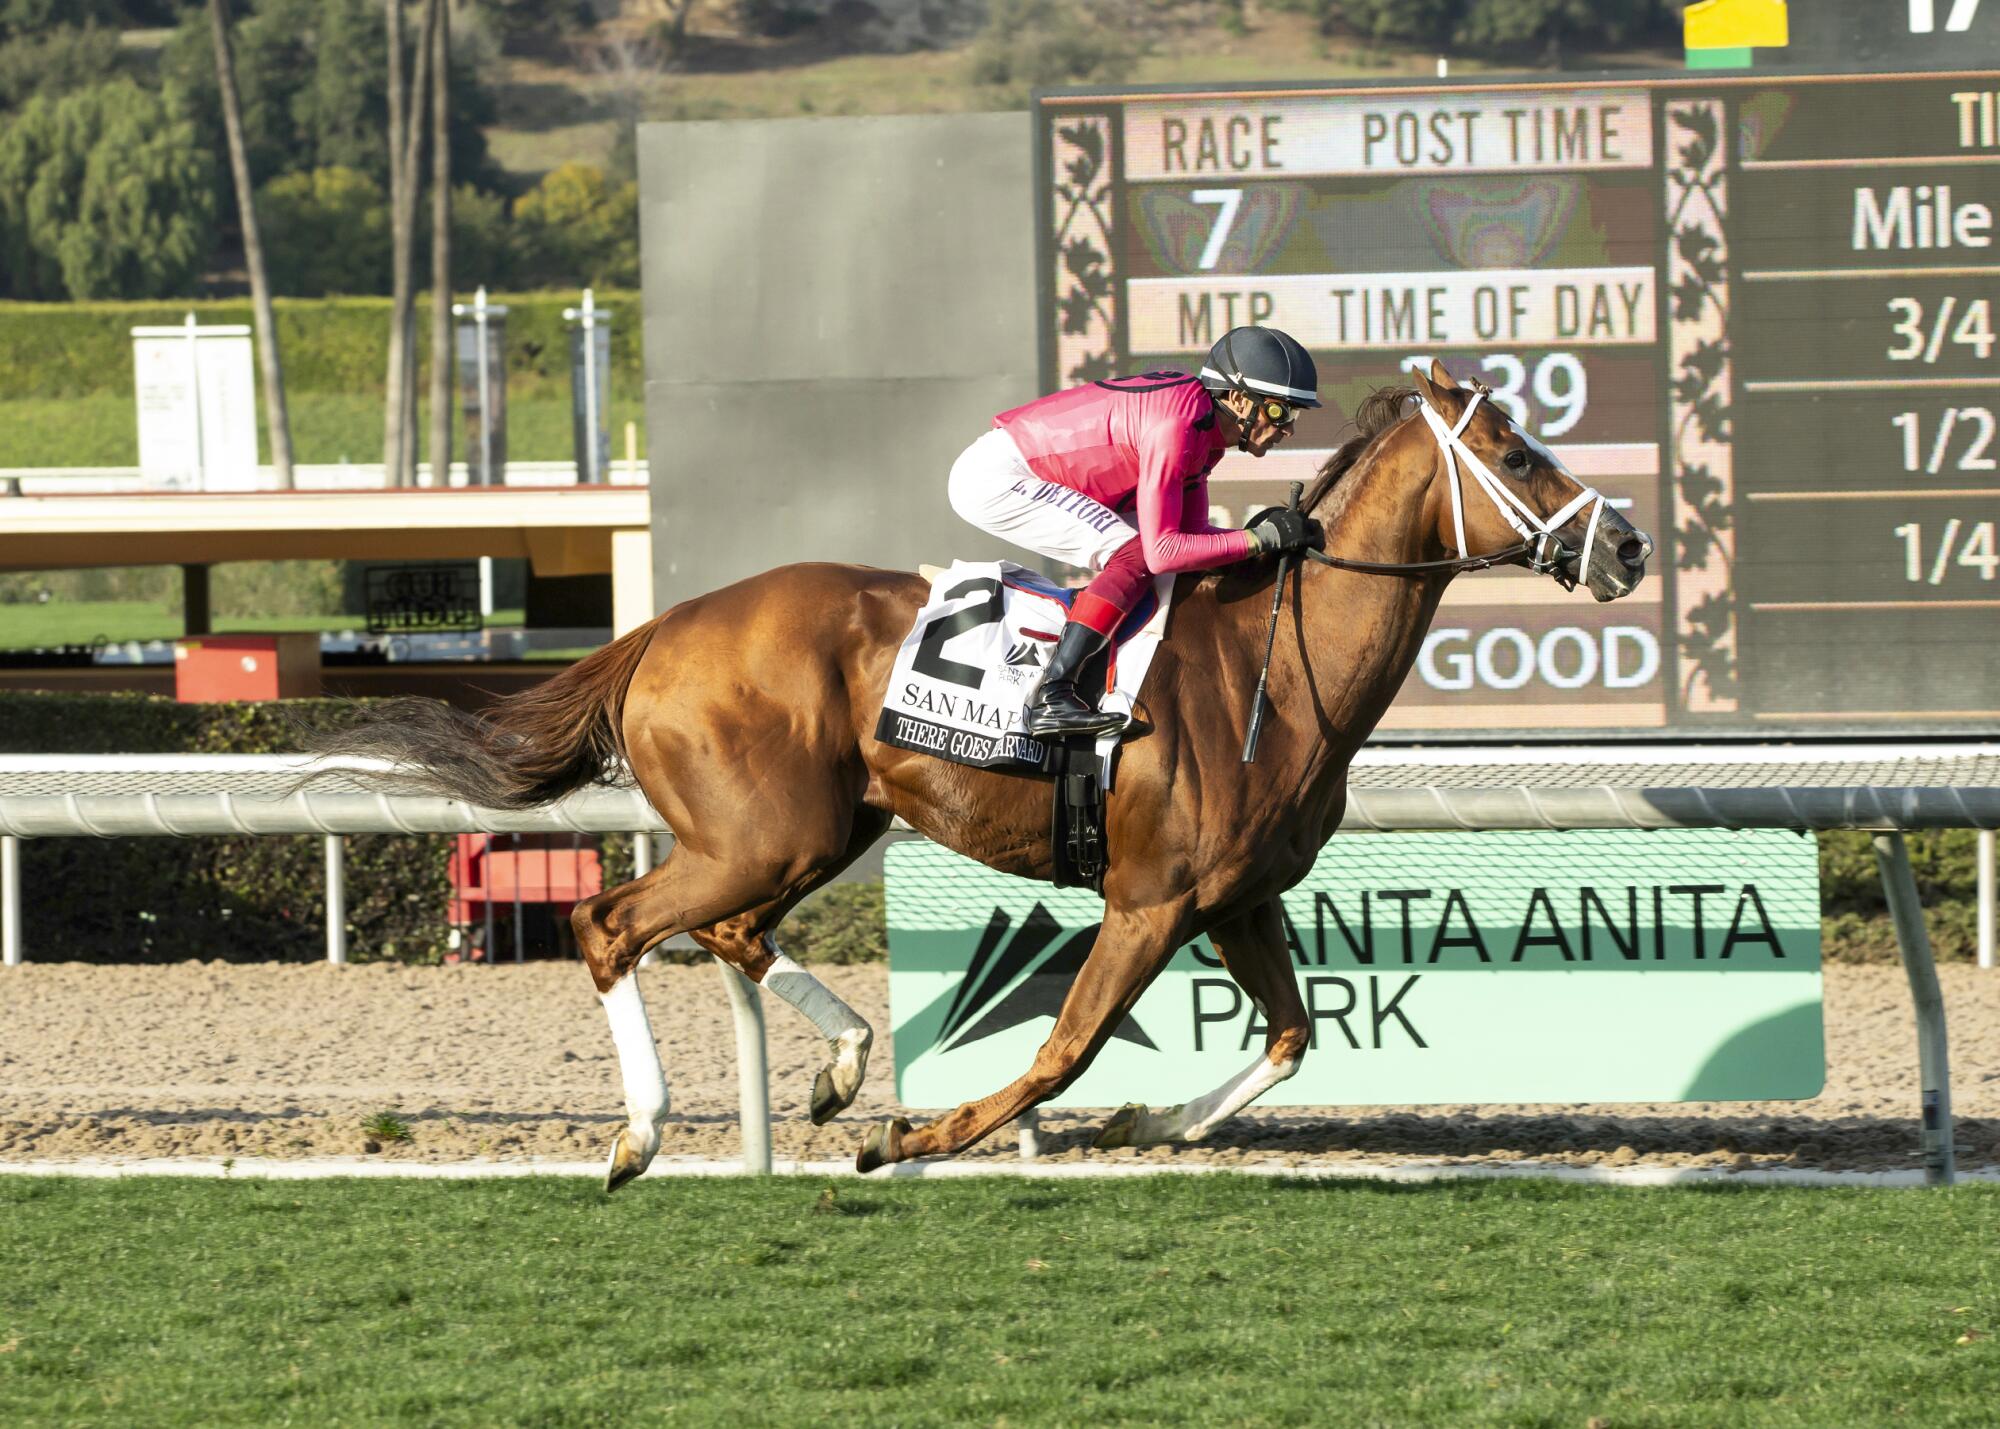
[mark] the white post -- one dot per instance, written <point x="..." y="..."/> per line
<point x="587" y="470"/>
<point x="336" y="900"/>
<point x="590" y="379"/>
<point x="520" y="933"/>
<point x="1028" y="1127"/>
<point x="1988" y="896"/>
<point x="1913" y="940"/>
<point x="10" y="901"/>
<point x="482" y="313"/>
<point x="642" y="864"/>
<point x="485" y="396"/>
<point x="752" y="1074"/>
<point x="194" y="397"/>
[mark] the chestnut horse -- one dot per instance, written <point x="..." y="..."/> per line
<point x="747" y="718"/>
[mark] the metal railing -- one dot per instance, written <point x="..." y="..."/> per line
<point x="1886" y="790"/>
<point x="306" y="476"/>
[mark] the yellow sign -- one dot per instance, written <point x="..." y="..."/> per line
<point x="1737" y="24"/>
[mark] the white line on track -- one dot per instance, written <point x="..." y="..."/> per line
<point x="369" y="1168"/>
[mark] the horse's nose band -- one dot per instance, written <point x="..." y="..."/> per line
<point x="1546" y="551"/>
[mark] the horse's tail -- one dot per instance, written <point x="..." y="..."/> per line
<point x="524" y="749"/>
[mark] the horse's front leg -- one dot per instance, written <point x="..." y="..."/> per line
<point x="1253" y="948"/>
<point x="1131" y="948"/>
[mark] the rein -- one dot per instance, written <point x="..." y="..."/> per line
<point x="1540" y="549"/>
<point x="1454" y="564"/>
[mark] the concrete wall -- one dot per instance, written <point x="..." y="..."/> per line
<point x="834" y="309"/>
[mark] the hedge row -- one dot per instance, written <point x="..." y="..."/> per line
<point x="263" y="899"/>
<point x="251" y="899"/>
<point x="329" y="344"/>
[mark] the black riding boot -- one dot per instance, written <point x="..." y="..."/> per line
<point x="1058" y="712"/>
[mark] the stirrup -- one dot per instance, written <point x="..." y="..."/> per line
<point x="1066" y="716"/>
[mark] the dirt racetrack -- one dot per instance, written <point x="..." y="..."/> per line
<point x="213" y="1059"/>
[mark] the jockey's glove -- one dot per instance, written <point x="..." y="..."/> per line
<point x="1280" y="529"/>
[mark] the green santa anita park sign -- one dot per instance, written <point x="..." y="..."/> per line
<point x="1488" y="967"/>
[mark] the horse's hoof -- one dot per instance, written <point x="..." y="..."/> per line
<point x="883" y="1146"/>
<point x="1121" y="1129"/>
<point x="627" y="1161"/>
<point x="826" y="1103"/>
<point x="839" y="1081"/>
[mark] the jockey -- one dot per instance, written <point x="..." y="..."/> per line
<point x="1113" y="476"/>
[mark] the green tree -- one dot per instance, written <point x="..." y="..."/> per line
<point x="482" y="239"/>
<point x="1425" y="22"/>
<point x="1027" y="43"/>
<point x="104" y="194"/>
<point x="577" y="228"/>
<point x="39" y="17"/>
<point x="315" y="90"/>
<point x="325" y="231"/>
<point x="526" y="26"/>
<point x="1551" y="25"/>
<point x="56" y="63"/>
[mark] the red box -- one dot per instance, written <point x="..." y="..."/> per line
<point x="543" y="868"/>
<point x="246" y="667"/>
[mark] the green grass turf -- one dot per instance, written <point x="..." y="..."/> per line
<point x="1190" y="1300"/>
<point x="29" y="626"/>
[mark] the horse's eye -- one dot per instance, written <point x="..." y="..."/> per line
<point x="1517" y="460"/>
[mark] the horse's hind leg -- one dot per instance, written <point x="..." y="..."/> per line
<point x="613" y="930"/>
<point x="746" y="944"/>
<point x="729" y="909"/>
<point x="1253" y="948"/>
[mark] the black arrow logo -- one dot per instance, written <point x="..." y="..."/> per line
<point x="990" y="999"/>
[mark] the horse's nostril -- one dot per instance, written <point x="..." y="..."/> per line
<point x="1633" y="550"/>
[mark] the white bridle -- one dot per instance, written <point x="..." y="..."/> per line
<point x="1545" y="547"/>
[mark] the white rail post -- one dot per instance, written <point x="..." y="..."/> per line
<point x="520" y="933"/>
<point x="1028" y="1127"/>
<point x="752" y="1075"/>
<point x="642" y="855"/>
<point x="10" y="901"/>
<point x="1988" y="896"/>
<point x="1913" y="940"/>
<point x="336" y="900"/>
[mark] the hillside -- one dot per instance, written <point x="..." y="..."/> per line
<point x="568" y="96"/>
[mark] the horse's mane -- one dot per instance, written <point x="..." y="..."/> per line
<point x="1379" y="411"/>
<point x="1329" y="496"/>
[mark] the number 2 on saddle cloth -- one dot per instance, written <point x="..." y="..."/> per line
<point x="972" y="663"/>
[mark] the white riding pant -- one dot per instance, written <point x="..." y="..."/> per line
<point x="993" y="487"/>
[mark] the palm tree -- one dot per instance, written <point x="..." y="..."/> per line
<point x="405" y="148"/>
<point x="276" y="417"/>
<point x="441" y="345"/>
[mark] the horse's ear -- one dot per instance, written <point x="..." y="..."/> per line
<point x="1441" y="377"/>
<point x="1427" y="390"/>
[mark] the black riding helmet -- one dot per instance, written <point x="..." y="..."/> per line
<point x="1263" y="362"/>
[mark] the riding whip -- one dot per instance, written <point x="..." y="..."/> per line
<point x="1270" y="643"/>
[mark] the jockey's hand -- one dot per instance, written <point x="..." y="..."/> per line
<point x="1278" y="529"/>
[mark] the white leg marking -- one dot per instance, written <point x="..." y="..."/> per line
<point x="848" y="1036"/>
<point x="638" y="1062"/>
<point x="1202" y="1115"/>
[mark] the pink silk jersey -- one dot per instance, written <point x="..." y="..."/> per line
<point x="1144" y="443"/>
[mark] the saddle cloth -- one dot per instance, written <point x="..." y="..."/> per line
<point x="974" y="659"/>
